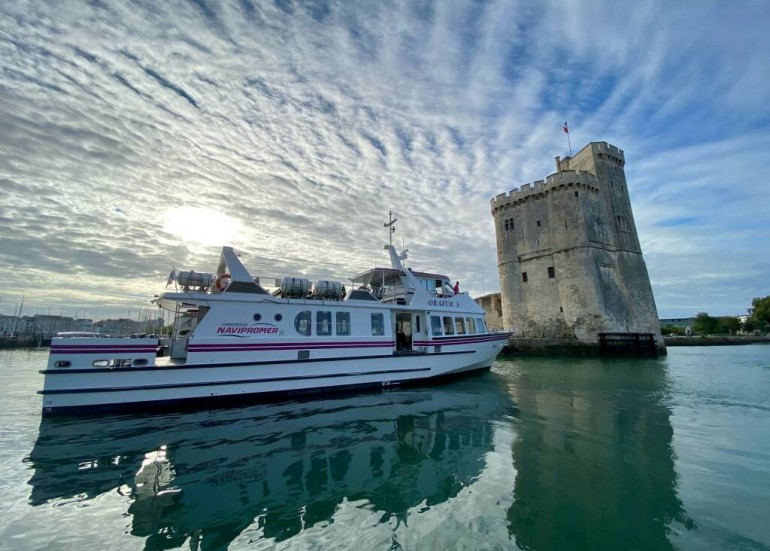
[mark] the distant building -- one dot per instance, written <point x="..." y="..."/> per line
<point x="677" y="322"/>
<point x="569" y="257"/>
<point x="9" y="325"/>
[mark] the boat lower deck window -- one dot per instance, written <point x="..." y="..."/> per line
<point x="482" y="327"/>
<point x="471" y="325"/>
<point x="323" y="323"/>
<point x="62" y="363"/>
<point x="302" y="323"/>
<point x="378" y="324"/>
<point x="448" y="326"/>
<point x="460" y="326"/>
<point x="343" y="323"/>
<point x="435" y="325"/>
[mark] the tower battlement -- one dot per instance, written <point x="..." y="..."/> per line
<point x="569" y="179"/>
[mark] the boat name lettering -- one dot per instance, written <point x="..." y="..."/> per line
<point x="242" y="328"/>
<point x="449" y="303"/>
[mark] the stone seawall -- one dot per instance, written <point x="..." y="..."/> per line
<point x="549" y="347"/>
<point x="715" y="340"/>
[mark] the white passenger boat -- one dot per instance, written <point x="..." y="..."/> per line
<point x="232" y="337"/>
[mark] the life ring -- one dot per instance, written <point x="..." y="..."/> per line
<point x="221" y="285"/>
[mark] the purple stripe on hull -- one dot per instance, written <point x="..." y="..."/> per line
<point x="461" y="340"/>
<point x="101" y="349"/>
<point x="284" y="346"/>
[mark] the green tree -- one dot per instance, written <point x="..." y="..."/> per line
<point x="729" y="325"/>
<point x="760" y="309"/>
<point x="705" y="324"/>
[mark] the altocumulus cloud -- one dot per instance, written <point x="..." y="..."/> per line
<point x="298" y="125"/>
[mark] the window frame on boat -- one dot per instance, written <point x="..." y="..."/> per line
<point x="323" y="323"/>
<point x="435" y="326"/>
<point x="449" y="327"/>
<point x="481" y="325"/>
<point x="307" y="317"/>
<point x="342" y="323"/>
<point x="471" y="324"/>
<point x="460" y="326"/>
<point x="378" y="327"/>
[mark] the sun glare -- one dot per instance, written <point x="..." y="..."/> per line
<point x="201" y="226"/>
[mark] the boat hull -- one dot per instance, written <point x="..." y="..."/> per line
<point x="83" y="390"/>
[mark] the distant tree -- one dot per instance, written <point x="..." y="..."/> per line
<point x="705" y="324"/>
<point x="729" y="324"/>
<point x="760" y="309"/>
<point x="748" y="326"/>
<point x="674" y="330"/>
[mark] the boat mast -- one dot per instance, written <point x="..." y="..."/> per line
<point x="391" y="226"/>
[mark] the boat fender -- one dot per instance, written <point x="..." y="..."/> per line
<point x="222" y="283"/>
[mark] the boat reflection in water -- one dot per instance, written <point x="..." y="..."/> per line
<point x="201" y="479"/>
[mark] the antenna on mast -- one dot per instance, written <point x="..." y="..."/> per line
<point x="391" y="226"/>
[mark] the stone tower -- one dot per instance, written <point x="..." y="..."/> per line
<point x="569" y="257"/>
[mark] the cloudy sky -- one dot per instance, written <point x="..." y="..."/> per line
<point x="139" y="136"/>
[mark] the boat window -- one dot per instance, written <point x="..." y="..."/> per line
<point x="471" y="325"/>
<point x="448" y="326"/>
<point x="100" y="363"/>
<point x="343" y="323"/>
<point x="435" y="325"/>
<point x="460" y="326"/>
<point x="378" y="324"/>
<point x="62" y="363"/>
<point x="323" y="323"/>
<point x="481" y="325"/>
<point x="302" y="322"/>
<point x="417" y="324"/>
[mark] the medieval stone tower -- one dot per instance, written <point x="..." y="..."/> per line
<point x="569" y="257"/>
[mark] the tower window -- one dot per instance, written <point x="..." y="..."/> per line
<point x="524" y="276"/>
<point x="576" y="194"/>
<point x="506" y="224"/>
<point x="538" y="223"/>
<point x="551" y="272"/>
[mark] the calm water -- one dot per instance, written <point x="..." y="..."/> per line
<point x="538" y="454"/>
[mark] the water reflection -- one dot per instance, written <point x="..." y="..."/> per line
<point x="201" y="479"/>
<point x="593" y="454"/>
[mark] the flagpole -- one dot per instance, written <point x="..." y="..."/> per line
<point x="566" y="131"/>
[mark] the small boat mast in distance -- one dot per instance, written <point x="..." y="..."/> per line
<point x="234" y="337"/>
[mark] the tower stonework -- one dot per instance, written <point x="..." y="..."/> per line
<point x="569" y="257"/>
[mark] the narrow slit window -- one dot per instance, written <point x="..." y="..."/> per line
<point x="524" y="276"/>
<point x="551" y="272"/>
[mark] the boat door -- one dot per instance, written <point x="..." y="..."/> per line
<point x="403" y="331"/>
